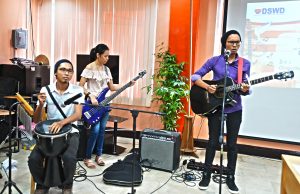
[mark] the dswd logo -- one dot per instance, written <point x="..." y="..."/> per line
<point x="270" y="11"/>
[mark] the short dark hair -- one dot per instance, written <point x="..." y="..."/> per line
<point x="100" y="49"/>
<point x="226" y="35"/>
<point x="58" y="63"/>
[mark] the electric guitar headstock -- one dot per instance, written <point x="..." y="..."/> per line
<point x="284" y="75"/>
<point x="141" y="74"/>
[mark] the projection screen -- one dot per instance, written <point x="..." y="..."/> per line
<point x="270" y="33"/>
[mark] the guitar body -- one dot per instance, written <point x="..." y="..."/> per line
<point x="205" y="103"/>
<point x="91" y="114"/>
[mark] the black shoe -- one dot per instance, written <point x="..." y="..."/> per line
<point x="40" y="189"/>
<point x="203" y="184"/>
<point x="231" y="184"/>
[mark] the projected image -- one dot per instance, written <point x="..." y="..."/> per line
<point x="272" y="40"/>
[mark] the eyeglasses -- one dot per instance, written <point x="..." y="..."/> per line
<point x="234" y="43"/>
<point x="64" y="70"/>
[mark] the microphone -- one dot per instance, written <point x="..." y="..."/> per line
<point x="227" y="53"/>
<point x="72" y="99"/>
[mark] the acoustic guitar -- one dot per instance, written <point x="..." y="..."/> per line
<point x="205" y="103"/>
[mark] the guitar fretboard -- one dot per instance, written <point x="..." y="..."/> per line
<point x="115" y="94"/>
<point x="252" y="82"/>
<point x="263" y="79"/>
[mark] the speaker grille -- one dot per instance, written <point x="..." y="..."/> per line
<point x="160" y="150"/>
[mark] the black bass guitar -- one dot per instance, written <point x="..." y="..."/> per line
<point x="205" y="103"/>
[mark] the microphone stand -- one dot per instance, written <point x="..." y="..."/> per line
<point x="10" y="183"/>
<point x="134" y="114"/>
<point x="223" y="119"/>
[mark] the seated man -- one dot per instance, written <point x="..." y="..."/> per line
<point x="61" y="91"/>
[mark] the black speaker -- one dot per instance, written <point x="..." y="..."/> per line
<point x="160" y="149"/>
<point x="83" y="138"/>
<point x="31" y="78"/>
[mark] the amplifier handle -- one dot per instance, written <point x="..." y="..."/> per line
<point x="163" y="131"/>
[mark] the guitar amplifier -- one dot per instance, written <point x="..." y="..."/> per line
<point x="160" y="149"/>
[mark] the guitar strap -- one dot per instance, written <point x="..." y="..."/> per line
<point x="240" y="70"/>
<point x="55" y="102"/>
<point x="58" y="107"/>
<point x="106" y="71"/>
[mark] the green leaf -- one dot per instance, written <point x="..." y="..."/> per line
<point x="171" y="87"/>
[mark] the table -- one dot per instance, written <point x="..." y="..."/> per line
<point x="290" y="177"/>
<point x="116" y="120"/>
<point x="5" y="112"/>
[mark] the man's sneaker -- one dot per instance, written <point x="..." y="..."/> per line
<point x="203" y="184"/>
<point x="40" y="189"/>
<point x="231" y="184"/>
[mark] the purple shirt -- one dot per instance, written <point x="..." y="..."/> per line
<point x="217" y="65"/>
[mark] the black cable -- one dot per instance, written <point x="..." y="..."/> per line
<point x="187" y="177"/>
<point x="95" y="186"/>
<point x="168" y="178"/>
<point x="81" y="175"/>
<point x="164" y="183"/>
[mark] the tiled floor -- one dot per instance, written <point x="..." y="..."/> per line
<point x="254" y="175"/>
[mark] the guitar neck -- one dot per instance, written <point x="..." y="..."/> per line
<point x="115" y="94"/>
<point x="252" y="82"/>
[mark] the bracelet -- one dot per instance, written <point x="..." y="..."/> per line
<point x="207" y="87"/>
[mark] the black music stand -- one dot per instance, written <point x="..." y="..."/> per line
<point x="10" y="183"/>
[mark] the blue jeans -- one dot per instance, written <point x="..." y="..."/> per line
<point x="97" y="137"/>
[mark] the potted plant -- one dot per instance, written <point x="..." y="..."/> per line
<point x="170" y="87"/>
